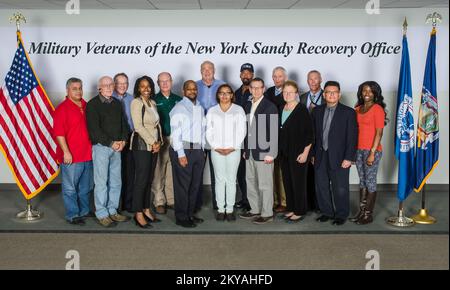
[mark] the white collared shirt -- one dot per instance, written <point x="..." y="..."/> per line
<point x="254" y="107"/>
<point x="226" y="130"/>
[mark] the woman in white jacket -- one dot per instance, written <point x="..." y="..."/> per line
<point x="225" y="133"/>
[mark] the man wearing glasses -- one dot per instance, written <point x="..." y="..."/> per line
<point x="108" y="131"/>
<point x="336" y="134"/>
<point x="261" y="148"/>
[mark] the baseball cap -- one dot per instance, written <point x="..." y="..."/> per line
<point x="247" y="66"/>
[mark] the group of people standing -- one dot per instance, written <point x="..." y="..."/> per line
<point x="286" y="152"/>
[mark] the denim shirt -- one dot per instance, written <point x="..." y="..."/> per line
<point x="207" y="95"/>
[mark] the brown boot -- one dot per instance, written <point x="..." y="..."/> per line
<point x="367" y="218"/>
<point x="362" y="204"/>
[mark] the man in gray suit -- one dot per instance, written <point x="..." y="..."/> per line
<point x="311" y="99"/>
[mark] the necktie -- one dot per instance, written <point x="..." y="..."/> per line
<point x="326" y="129"/>
<point x="312" y="103"/>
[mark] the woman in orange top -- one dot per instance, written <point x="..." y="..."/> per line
<point x="371" y="118"/>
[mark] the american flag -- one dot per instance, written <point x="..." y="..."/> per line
<point x="25" y="126"/>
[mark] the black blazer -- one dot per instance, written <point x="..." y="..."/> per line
<point x="278" y="101"/>
<point x="296" y="133"/>
<point x="267" y="113"/>
<point x="304" y="98"/>
<point x="342" y="137"/>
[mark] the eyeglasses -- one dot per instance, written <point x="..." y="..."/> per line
<point x="222" y="94"/>
<point x="289" y="93"/>
<point x="257" y="88"/>
<point x="331" y="93"/>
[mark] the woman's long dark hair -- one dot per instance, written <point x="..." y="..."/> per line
<point x="136" y="87"/>
<point x="377" y="96"/>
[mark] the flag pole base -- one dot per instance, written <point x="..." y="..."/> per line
<point x="29" y="214"/>
<point x="423" y="218"/>
<point x="400" y="221"/>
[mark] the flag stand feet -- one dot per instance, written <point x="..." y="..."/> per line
<point x="400" y="221"/>
<point x="29" y="214"/>
<point x="423" y="218"/>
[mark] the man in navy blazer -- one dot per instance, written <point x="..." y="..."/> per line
<point x="311" y="99"/>
<point x="260" y="150"/>
<point x="336" y="135"/>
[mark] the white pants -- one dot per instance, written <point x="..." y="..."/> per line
<point x="225" y="172"/>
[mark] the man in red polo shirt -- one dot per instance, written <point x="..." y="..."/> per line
<point x="74" y="152"/>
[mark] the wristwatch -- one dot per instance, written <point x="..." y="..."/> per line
<point x="373" y="150"/>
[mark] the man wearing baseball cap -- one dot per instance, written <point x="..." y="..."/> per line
<point x="242" y="96"/>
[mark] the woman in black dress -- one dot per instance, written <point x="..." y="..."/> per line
<point x="295" y="140"/>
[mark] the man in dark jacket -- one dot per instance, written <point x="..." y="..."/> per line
<point x="336" y="135"/>
<point x="108" y="130"/>
<point x="261" y="149"/>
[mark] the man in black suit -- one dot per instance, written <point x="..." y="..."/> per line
<point x="261" y="149"/>
<point x="311" y="99"/>
<point x="336" y="135"/>
<point x="314" y="97"/>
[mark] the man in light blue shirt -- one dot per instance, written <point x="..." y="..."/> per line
<point x="207" y="86"/>
<point x="120" y="93"/>
<point x="207" y="89"/>
<point x="187" y="139"/>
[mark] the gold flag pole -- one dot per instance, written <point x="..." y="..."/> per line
<point x="401" y="220"/>
<point x="17" y="18"/>
<point x="28" y="214"/>
<point x="423" y="217"/>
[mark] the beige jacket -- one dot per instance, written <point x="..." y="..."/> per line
<point x="150" y="128"/>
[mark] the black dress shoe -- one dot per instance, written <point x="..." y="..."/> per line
<point x="196" y="220"/>
<point x="77" y="221"/>
<point x="150" y="220"/>
<point x="186" y="224"/>
<point x="142" y="226"/>
<point x="231" y="217"/>
<point x="323" y="218"/>
<point x="338" y="222"/>
<point x="220" y="217"/>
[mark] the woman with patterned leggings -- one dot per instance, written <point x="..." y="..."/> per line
<point x="371" y="119"/>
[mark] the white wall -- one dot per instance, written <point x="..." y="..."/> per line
<point x="213" y="26"/>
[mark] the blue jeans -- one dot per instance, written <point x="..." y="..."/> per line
<point x="107" y="180"/>
<point x="76" y="188"/>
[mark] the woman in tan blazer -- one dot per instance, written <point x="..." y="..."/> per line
<point x="145" y="143"/>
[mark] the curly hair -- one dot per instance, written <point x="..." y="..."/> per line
<point x="377" y="96"/>
<point x="136" y="87"/>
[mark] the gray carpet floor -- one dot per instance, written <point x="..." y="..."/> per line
<point x="51" y="205"/>
<point x="229" y="252"/>
<point x="44" y="244"/>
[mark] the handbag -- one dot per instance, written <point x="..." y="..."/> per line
<point x="137" y="143"/>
